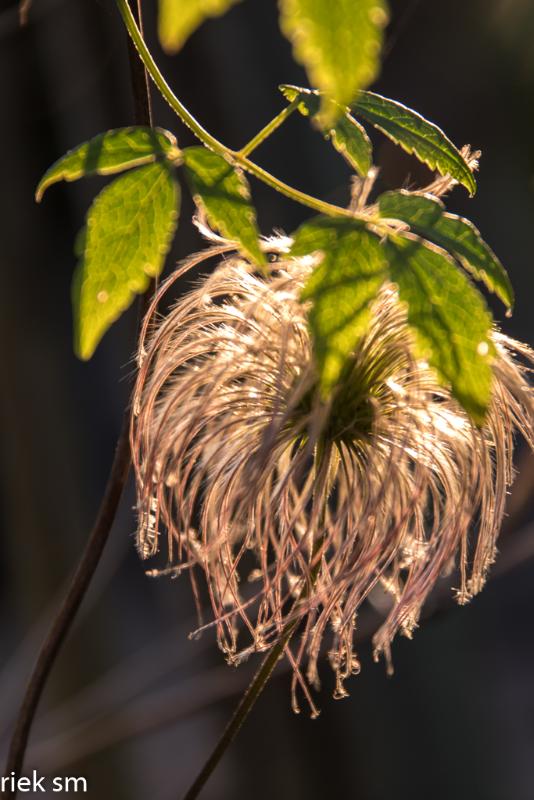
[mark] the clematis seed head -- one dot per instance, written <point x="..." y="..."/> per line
<point x="294" y="507"/>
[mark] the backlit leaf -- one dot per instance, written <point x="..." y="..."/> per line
<point x="347" y="135"/>
<point x="450" y="320"/>
<point x="350" y="139"/>
<point x="178" y="19"/>
<point x="416" y="135"/>
<point x="110" y="152"/>
<point x="338" y="43"/>
<point x="341" y="288"/>
<point x="222" y="192"/>
<point x="128" y="233"/>
<point x="426" y="217"/>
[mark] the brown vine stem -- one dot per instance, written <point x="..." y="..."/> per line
<point x="242" y="711"/>
<point x="106" y="514"/>
<point x="266" y="669"/>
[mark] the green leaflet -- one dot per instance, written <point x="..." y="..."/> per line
<point x="426" y="217"/>
<point x="128" y="233"/>
<point x="110" y="152"/>
<point x="178" y="19"/>
<point x="342" y="287"/>
<point x="449" y="318"/>
<point x="350" y="139"/>
<point x="222" y="191"/>
<point x="338" y="43"/>
<point x="347" y="135"/>
<point x="415" y="135"/>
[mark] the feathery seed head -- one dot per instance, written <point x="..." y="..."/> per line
<point x="251" y="474"/>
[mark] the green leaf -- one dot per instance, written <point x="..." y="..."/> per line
<point x="222" y="192"/>
<point x="110" y="152"/>
<point x="341" y="288"/>
<point x="350" y="139"/>
<point x="450" y="320"/>
<point x="128" y="234"/>
<point x="426" y="217"/>
<point x="338" y="43"/>
<point x="347" y="135"/>
<point x="178" y="19"/>
<point x="415" y="135"/>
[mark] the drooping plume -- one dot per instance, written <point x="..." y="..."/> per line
<point x="296" y="507"/>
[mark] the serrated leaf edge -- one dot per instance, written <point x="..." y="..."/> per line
<point x="470" y="185"/>
<point x="507" y="299"/>
<point x="85" y="354"/>
<point x="49" y="179"/>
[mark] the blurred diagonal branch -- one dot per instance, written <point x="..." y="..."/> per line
<point x="24" y="11"/>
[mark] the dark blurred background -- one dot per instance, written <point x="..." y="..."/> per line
<point x="133" y="704"/>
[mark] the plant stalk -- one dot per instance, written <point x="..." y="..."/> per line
<point x="234" y="157"/>
<point x="245" y="706"/>
<point x="268" y="129"/>
<point x="260" y="679"/>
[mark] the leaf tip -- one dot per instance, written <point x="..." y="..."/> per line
<point x="42" y="186"/>
<point x="84" y="346"/>
<point x="469" y="181"/>
<point x="84" y="354"/>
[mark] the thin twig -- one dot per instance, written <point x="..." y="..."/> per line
<point x="24" y="11"/>
<point x="138" y="74"/>
<point x="232" y="156"/>
<point x="260" y="679"/>
<point x="99" y="535"/>
<point x="242" y="711"/>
